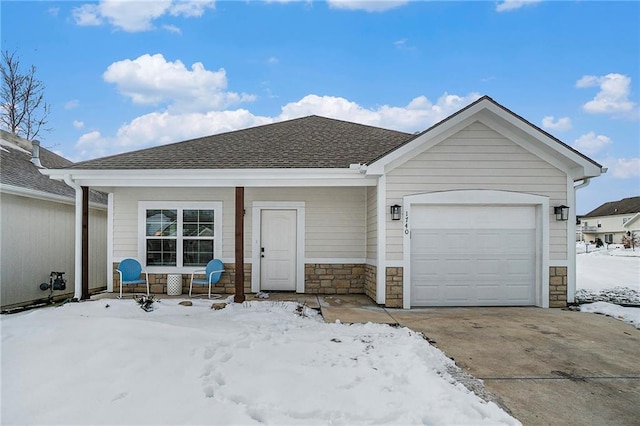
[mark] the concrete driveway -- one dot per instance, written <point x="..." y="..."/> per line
<point x="546" y="366"/>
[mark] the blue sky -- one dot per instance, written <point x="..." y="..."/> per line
<point x="125" y="75"/>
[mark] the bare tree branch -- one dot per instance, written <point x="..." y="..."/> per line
<point x="23" y="110"/>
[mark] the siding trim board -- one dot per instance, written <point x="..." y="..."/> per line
<point x="381" y="250"/>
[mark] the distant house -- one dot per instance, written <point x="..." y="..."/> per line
<point x="610" y="221"/>
<point x="477" y="210"/>
<point x="38" y="222"/>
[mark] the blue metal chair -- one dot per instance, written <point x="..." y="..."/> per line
<point x="212" y="274"/>
<point x="130" y="271"/>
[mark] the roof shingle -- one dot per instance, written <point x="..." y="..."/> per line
<point x="309" y="142"/>
<point x="625" y="206"/>
<point x="18" y="170"/>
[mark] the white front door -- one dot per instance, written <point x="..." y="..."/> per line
<point x="278" y="250"/>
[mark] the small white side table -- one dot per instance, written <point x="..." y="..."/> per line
<point x="174" y="284"/>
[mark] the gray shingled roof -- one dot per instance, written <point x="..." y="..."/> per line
<point x="625" y="206"/>
<point x="309" y="142"/>
<point x="18" y="170"/>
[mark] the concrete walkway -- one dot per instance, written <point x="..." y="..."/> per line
<point x="545" y="366"/>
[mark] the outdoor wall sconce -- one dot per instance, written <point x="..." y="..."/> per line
<point x="561" y="212"/>
<point x="396" y="211"/>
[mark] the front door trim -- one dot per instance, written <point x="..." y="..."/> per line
<point x="256" y="232"/>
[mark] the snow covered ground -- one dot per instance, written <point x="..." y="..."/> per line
<point x="609" y="276"/>
<point x="604" y="269"/>
<point x="110" y="362"/>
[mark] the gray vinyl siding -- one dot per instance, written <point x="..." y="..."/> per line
<point x="335" y="217"/>
<point x="38" y="237"/>
<point x="477" y="157"/>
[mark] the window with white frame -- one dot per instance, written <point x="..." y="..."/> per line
<point x="599" y="224"/>
<point x="179" y="234"/>
<point x="608" y="238"/>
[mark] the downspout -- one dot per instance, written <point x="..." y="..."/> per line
<point x="78" y="238"/>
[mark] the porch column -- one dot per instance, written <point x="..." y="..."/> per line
<point x="239" y="296"/>
<point x="77" y="247"/>
<point x="85" y="243"/>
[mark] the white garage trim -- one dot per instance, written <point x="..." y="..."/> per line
<point x="484" y="198"/>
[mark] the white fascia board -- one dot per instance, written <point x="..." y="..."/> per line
<point x="214" y="178"/>
<point x="44" y="196"/>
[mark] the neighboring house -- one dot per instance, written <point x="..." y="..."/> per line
<point x="38" y="222"/>
<point x="579" y="234"/>
<point x="473" y="197"/>
<point x="611" y="221"/>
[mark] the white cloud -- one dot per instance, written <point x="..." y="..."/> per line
<point x="561" y="125"/>
<point x="172" y="29"/>
<point x="74" y="103"/>
<point x="87" y="15"/>
<point x="400" y="43"/>
<point x="191" y="8"/>
<point x="613" y="97"/>
<point x="90" y="145"/>
<point x="78" y="124"/>
<point x="272" y="60"/>
<point x="509" y="5"/>
<point x="152" y="80"/>
<point x="367" y="5"/>
<point x="625" y="168"/>
<point x="419" y="114"/>
<point x="54" y="11"/>
<point x="164" y="127"/>
<point x="135" y="16"/>
<point x="403" y="44"/>
<point x="160" y="128"/>
<point x="590" y="144"/>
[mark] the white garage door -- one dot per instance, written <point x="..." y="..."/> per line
<point x="473" y="255"/>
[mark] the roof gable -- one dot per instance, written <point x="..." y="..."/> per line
<point x="631" y="221"/>
<point x="309" y="142"/>
<point x="503" y="121"/>
<point x="629" y="205"/>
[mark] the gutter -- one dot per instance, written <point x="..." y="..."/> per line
<point x="45" y="196"/>
<point x="584" y="184"/>
<point x="78" y="237"/>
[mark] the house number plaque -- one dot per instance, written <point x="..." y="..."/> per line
<point x="406" y="223"/>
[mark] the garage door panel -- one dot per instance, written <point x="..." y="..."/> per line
<point x="474" y="266"/>
<point x="457" y="292"/>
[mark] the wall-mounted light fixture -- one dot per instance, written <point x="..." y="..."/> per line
<point x="396" y="212"/>
<point x="561" y="212"/>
